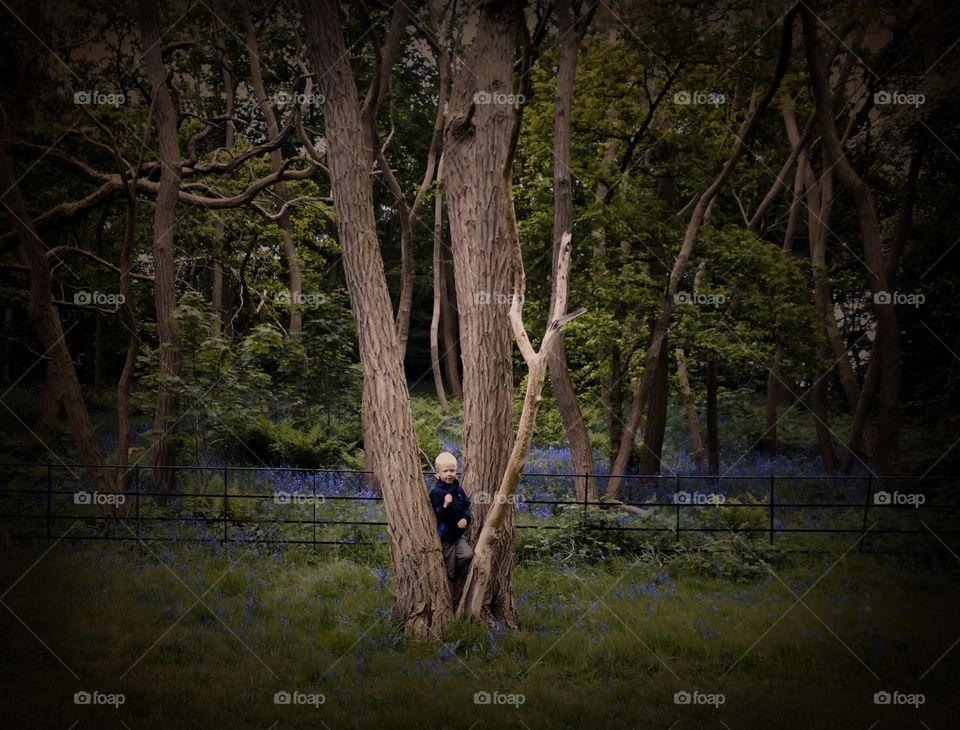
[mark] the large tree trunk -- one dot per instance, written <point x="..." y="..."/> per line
<point x="477" y="146"/>
<point x="581" y="453"/>
<point x="164" y="221"/>
<point x="422" y="594"/>
<point x="480" y="588"/>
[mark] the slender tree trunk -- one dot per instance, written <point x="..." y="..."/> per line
<point x="477" y="151"/>
<point x="98" y="358"/>
<point x="279" y="189"/>
<point x="656" y="421"/>
<point x="613" y="401"/>
<point x="820" y="422"/>
<point x="47" y="323"/>
<point x="449" y="318"/>
<point x="50" y="403"/>
<point x="659" y="332"/>
<point x="164" y="221"/>
<point x="693" y="421"/>
<point x="229" y="90"/>
<point x="422" y="595"/>
<point x="713" y="436"/>
<point x="888" y="331"/>
<point x="581" y="452"/>
<point x="437" y="298"/>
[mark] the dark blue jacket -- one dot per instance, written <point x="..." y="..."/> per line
<point x="447" y="518"/>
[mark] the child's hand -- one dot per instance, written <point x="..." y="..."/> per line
<point x="448" y="500"/>
<point x="462" y="524"/>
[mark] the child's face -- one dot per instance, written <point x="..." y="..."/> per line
<point x="447" y="472"/>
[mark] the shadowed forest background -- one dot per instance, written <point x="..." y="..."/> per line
<point x="667" y="278"/>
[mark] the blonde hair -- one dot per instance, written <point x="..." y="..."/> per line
<point x="444" y="457"/>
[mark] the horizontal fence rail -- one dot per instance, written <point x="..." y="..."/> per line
<point x="237" y="504"/>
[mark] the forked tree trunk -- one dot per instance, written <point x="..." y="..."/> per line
<point x="480" y="589"/>
<point x="422" y="594"/>
<point x="164" y="221"/>
<point x="477" y="146"/>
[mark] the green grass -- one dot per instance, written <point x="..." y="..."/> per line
<point x="603" y="645"/>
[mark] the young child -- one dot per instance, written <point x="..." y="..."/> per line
<point x="452" y="507"/>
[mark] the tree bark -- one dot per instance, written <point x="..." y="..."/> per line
<point x="713" y="436"/>
<point x="448" y="318"/>
<point x="581" y="453"/>
<point x="279" y="188"/>
<point x="693" y="420"/>
<point x="481" y="587"/>
<point x="437" y="297"/>
<point x="888" y="332"/>
<point x="164" y="222"/>
<point x="49" y="328"/>
<point x="423" y="600"/>
<point x="658" y="334"/>
<point x="477" y="153"/>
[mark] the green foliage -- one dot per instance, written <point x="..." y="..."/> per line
<point x="321" y="445"/>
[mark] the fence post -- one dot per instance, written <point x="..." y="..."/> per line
<point x="49" y="497"/>
<point x="866" y="509"/>
<point x="225" y="498"/>
<point x="314" y="512"/>
<point x="772" y="478"/>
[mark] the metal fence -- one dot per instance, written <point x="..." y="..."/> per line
<point x="333" y="507"/>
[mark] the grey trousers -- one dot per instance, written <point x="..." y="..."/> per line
<point x="456" y="555"/>
<point x="456" y="558"/>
